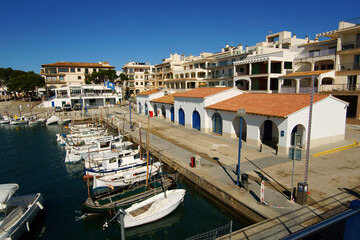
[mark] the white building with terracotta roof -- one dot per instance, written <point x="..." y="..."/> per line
<point x="275" y="120"/>
<point x="143" y="100"/>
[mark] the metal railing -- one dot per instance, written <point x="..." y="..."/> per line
<point x="350" y="45"/>
<point x="213" y="234"/>
<point x="219" y="76"/>
<point x="340" y="87"/>
<point x="320" y="53"/>
<point x="349" y="66"/>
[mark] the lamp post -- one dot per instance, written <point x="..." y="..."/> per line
<point x="240" y="113"/>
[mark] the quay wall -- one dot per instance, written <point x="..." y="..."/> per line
<point x="215" y="191"/>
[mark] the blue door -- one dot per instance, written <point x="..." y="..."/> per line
<point x="52" y="103"/>
<point x="139" y="107"/>
<point x="196" y="120"/>
<point x="172" y="114"/>
<point x="217" y="124"/>
<point x="181" y="117"/>
<point x="146" y="111"/>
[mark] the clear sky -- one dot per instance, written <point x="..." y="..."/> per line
<point x="36" y="32"/>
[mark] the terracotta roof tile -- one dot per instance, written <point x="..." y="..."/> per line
<point x="202" y="92"/>
<point x="78" y="64"/>
<point x="307" y="73"/>
<point x="148" y="92"/>
<point x="275" y="104"/>
<point x="165" y="99"/>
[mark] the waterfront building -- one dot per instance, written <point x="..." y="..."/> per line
<point x="191" y="74"/>
<point x="87" y="95"/>
<point x="335" y="63"/>
<point x="60" y="74"/>
<point x="260" y="66"/>
<point x="139" y="75"/>
<point x="143" y="100"/>
<point x="272" y="119"/>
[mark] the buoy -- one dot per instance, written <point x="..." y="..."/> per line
<point x="88" y="177"/>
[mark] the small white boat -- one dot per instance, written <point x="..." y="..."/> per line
<point x="52" y="120"/>
<point x="18" y="121"/>
<point x="65" y="121"/>
<point x="5" y="120"/>
<point x="115" y="165"/>
<point x="152" y="209"/>
<point x="17" y="212"/>
<point x="126" y="177"/>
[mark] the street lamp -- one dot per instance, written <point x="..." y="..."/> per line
<point x="240" y="113"/>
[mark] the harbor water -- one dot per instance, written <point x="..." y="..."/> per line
<point x="31" y="157"/>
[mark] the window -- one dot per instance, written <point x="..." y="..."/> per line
<point x="94" y="70"/>
<point x="141" y="83"/>
<point x="223" y="63"/>
<point x="86" y="71"/>
<point x="61" y="78"/>
<point x="79" y="77"/>
<point x="63" y="70"/>
<point x="327" y="82"/>
<point x="79" y="70"/>
<point x="137" y="83"/>
<point x="72" y="69"/>
<point x="51" y="79"/>
<point x="288" y="65"/>
<point x="287" y="82"/>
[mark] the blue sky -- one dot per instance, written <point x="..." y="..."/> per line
<point x="39" y="32"/>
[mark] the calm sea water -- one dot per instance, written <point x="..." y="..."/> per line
<point x="31" y="157"/>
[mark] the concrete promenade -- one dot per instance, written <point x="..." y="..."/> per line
<point x="333" y="172"/>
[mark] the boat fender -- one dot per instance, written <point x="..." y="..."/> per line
<point x="63" y="135"/>
<point x="27" y="226"/>
<point x="40" y="205"/>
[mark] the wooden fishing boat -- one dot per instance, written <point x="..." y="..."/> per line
<point x="112" y="201"/>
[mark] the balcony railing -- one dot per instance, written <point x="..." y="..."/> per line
<point x="340" y="87"/>
<point x="350" y="45"/>
<point x="324" y="52"/>
<point x="219" y="76"/>
<point x="349" y="66"/>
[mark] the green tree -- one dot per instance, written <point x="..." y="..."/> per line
<point x="123" y="76"/>
<point x="102" y="76"/>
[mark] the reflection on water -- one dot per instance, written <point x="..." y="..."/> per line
<point x="31" y="157"/>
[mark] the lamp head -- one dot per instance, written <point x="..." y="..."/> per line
<point x="241" y="112"/>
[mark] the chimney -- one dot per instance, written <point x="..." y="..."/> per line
<point x="294" y="35"/>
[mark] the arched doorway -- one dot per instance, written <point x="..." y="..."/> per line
<point x="236" y="126"/>
<point x="297" y="136"/>
<point x="146" y="109"/>
<point x="181" y="117"/>
<point x="217" y="124"/>
<point x="196" y="120"/>
<point x="172" y="114"/>
<point x="155" y="110"/>
<point x="139" y="108"/>
<point x="269" y="134"/>
<point x="163" y="111"/>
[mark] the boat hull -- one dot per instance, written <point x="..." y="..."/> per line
<point x="160" y="208"/>
<point x="110" y="202"/>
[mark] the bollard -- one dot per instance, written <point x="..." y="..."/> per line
<point x="260" y="147"/>
<point x="262" y="193"/>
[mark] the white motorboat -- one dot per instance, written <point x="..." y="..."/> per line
<point x="64" y="121"/>
<point x="52" y="120"/>
<point x="18" y="121"/>
<point x="126" y="177"/>
<point x="17" y="212"/>
<point x="152" y="209"/>
<point x="115" y="165"/>
<point x="75" y="154"/>
<point x="5" y="120"/>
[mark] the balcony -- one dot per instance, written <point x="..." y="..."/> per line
<point x="340" y="87"/>
<point x="349" y="66"/>
<point x="350" y="45"/>
<point x="324" y="52"/>
<point x="219" y="76"/>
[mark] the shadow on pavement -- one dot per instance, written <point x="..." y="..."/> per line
<point x="225" y="170"/>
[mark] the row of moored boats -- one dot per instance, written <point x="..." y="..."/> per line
<point x="124" y="182"/>
<point x="32" y="120"/>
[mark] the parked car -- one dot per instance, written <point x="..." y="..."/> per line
<point x="67" y="108"/>
<point x="77" y="106"/>
<point x="58" y="109"/>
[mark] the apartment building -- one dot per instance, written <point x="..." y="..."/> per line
<point x="260" y="66"/>
<point x="335" y="63"/>
<point x="64" y="73"/>
<point x="139" y="75"/>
